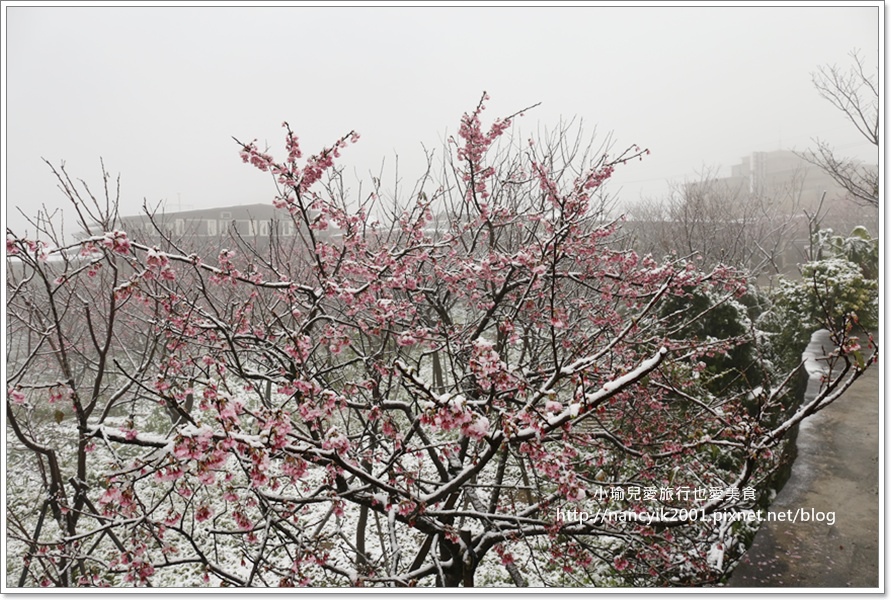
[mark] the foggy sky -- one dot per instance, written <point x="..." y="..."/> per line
<point x="158" y="92"/>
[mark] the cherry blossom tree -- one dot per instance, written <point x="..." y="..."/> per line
<point x="450" y="392"/>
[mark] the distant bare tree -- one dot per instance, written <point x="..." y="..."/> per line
<point x="721" y="221"/>
<point x="855" y="92"/>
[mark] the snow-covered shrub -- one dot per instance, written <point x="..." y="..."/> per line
<point x="832" y="294"/>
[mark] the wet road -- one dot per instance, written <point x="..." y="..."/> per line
<point x="836" y="471"/>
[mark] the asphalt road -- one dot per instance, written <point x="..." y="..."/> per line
<point x="837" y="471"/>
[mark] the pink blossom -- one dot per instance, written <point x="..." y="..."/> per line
<point x="294" y="468"/>
<point x="203" y="513"/>
<point x="156" y="258"/>
<point x="336" y="441"/>
<point x="15" y="395"/>
<point x="242" y="520"/>
<point x="173" y="473"/>
<point x="388" y="429"/>
<point x="116" y="241"/>
<point x="477" y="429"/>
<point x="111" y="495"/>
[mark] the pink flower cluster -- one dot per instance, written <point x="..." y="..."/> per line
<point x="116" y="241"/>
<point x="59" y="393"/>
<point x="118" y="499"/>
<point x="227" y="271"/>
<point x="15" y="395"/>
<point x="476" y="144"/>
<point x="261" y="160"/>
<point x="277" y="427"/>
<point x="471" y="131"/>
<point x="38" y="249"/>
<point x="337" y="441"/>
<point x="294" y="467"/>
<point x="158" y="260"/>
<point x="487" y="366"/>
<point x="290" y="173"/>
<point x="596" y="177"/>
<point x="453" y="412"/>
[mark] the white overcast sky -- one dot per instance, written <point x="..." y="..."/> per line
<point x="159" y="91"/>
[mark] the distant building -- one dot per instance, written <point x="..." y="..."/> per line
<point x="782" y="175"/>
<point x="252" y="221"/>
<point x="797" y="187"/>
<point x="772" y="170"/>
